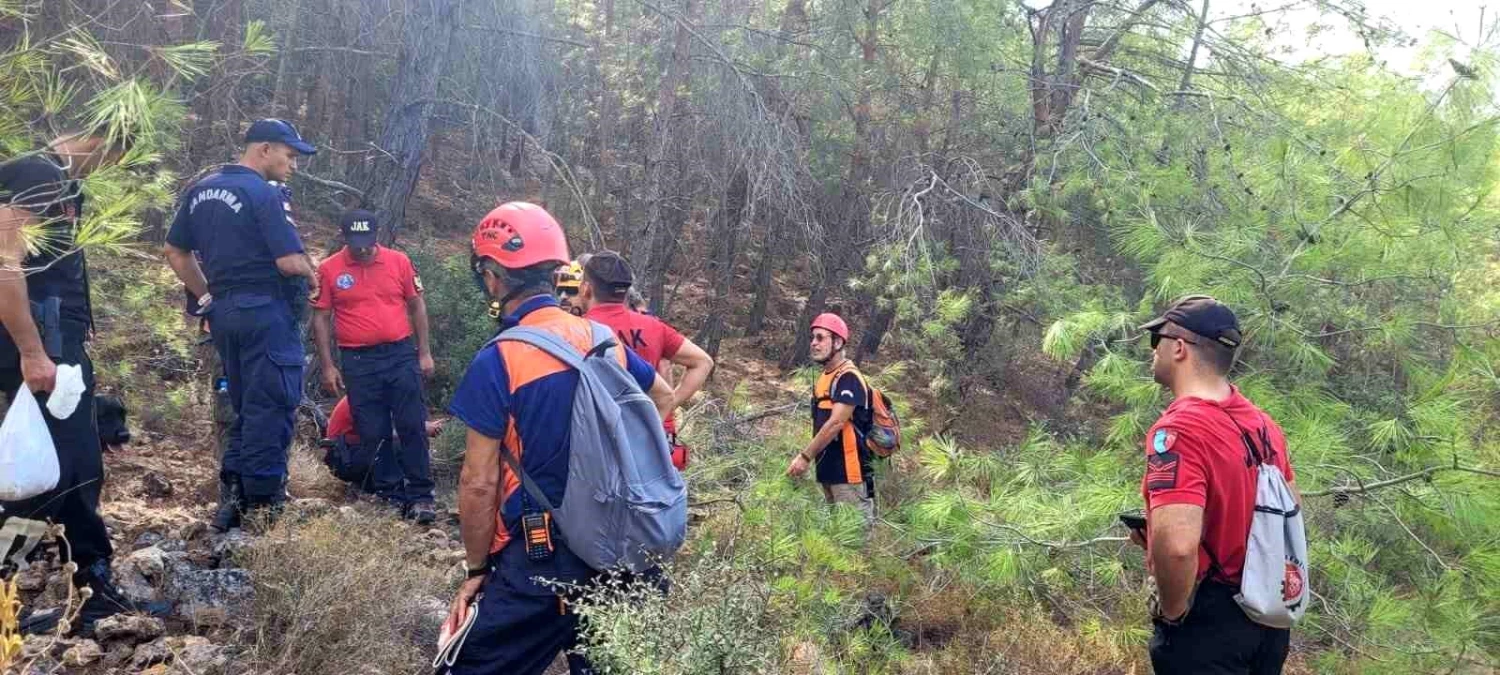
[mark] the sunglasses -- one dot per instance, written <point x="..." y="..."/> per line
<point x="1157" y="337"/>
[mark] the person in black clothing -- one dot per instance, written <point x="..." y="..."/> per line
<point x="47" y="318"/>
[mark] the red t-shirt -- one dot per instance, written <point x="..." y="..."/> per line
<point x="341" y="422"/>
<point x="649" y="337"/>
<point x="1195" y="455"/>
<point x="368" y="299"/>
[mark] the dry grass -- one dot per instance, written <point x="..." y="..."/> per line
<point x="340" y="594"/>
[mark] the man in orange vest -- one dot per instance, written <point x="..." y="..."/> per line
<point x="841" y="418"/>
<point x="518" y="400"/>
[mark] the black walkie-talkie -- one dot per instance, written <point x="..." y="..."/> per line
<point x="538" y="531"/>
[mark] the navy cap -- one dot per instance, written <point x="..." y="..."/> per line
<point x="612" y="270"/>
<point x="1204" y="316"/>
<point x="361" y="228"/>
<point x="278" y="131"/>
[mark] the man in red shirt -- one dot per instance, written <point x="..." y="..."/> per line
<point x="606" y="287"/>
<point x="1200" y="489"/>
<point x="371" y="297"/>
<point x="345" y="455"/>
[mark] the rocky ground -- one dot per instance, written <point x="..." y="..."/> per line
<point x="159" y="495"/>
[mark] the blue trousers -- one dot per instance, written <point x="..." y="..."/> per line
<point x="385" y="393"/>
<point x="522" y="624"/>
<point x="262" y="353"/>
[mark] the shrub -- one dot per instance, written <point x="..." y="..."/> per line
<point x="334" y="597"/>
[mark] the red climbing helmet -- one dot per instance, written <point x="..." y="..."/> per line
<point x="518" y="235"/>
<point x="833" y="324"/>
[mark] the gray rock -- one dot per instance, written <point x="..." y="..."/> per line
<point x="149" y="562"/>
<point x="209" y="597"/>
<point x="156" y="485"/>
<point x="231" y="544"/>
<point x="138" y="574"/>
<point x="147" y="538"/>
<point x="191" y="530"/>
<point x="119" y="654"/>
<point x="151" y="653"/>
<point x="33" y="646"/>
<point x="198" y="655"/>
<point x="130" y="628"/>
<point x="33" y="578"/>
<point x="312" y="506"/>
<point x="82" y="654"/>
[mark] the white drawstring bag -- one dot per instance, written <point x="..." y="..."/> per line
<point x="28" y="460"/>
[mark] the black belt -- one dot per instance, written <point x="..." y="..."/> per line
<point x="403" y="343"/>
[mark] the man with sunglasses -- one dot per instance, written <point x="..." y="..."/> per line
<point x="565" y="285"/>
<point x="1200" y="492"/>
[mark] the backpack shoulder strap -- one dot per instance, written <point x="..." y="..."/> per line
<point x="849" y="367"/>
<point x="546" y="341"/>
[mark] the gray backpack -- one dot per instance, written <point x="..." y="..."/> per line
<point x="1273" y="582"/>
<point x="625" y="505"/>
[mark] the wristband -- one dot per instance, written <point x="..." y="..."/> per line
<point x="804" y="457"/>
<point x="475" y="573"/>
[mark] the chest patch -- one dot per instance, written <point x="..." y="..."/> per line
<point x="1163" y="440"/>
<point x="344" y="282"/>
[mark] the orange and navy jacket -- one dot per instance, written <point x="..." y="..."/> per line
<point x="523" y="396"/>
<point x="845" y="460"/>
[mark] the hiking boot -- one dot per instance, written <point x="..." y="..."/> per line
<point x="424" y="513"/>
<point x="107" y="600"/>
<point x="228" y="515"/>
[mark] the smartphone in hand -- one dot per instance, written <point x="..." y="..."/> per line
<point x="1134" y="521"/>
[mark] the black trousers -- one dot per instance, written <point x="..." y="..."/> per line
<point x="75" y="501"/>
<point x="1216" y="638"/>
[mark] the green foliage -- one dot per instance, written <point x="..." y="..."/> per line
<point x="458" y="317"/>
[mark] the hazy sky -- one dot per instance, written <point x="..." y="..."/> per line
<point x="1415" y="17"/>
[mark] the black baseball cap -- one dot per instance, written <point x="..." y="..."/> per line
<point x="278" y="131"/>
<point x="608" y="268"/>
<point x="1204" y="316"/>
<point x="361" y="228"/>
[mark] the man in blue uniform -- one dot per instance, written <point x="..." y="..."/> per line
<point x="251" y="260"/>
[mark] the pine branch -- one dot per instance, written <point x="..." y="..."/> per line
<point x="1371" y="487"/>
<point x="330" y="184"/>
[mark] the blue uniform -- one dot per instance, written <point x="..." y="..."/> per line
<point x="237" y="223"/>
<point x="524" y="397"/>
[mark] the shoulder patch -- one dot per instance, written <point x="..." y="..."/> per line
<point x="1163" y="440"/>
<point x="1161" y="471"/>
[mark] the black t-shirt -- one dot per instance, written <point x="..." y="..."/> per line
<point x="38" y="183"/>
<point x="845" y="460"/>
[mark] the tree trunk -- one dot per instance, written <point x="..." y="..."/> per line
<point x="1192" y="60"/>
<point x="769" y="250"/>
<point x="869" y="343"/>
<point x="390" y="174"/>
<point x="662" y="208"/>
<point x="721" y="267"/>
<point x="799" y="349"/>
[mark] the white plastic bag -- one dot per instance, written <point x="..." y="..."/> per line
<point x="66" y="392"/>
<point x="28" y="460"/>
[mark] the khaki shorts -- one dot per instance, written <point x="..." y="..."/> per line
<point x="854" y="494"/>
